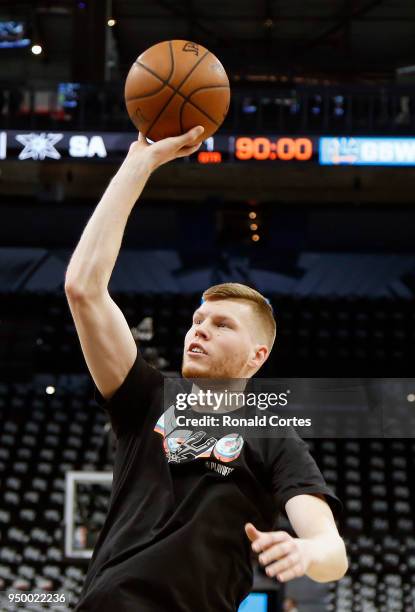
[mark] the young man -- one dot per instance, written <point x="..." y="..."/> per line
<point x="187" y="508"/>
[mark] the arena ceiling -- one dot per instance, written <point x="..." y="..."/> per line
<point x="329" y="40"/>
<point x="369" y="38"/>
<point x="337" y="39"/>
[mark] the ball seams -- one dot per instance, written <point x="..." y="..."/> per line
<point x="171" y="97"/>
<point x="175" y="91"/>
<point x="187" y="100"/>
<point x="147" y="95"/>
<point x="156" y="91"/>
<point x="178" y="92"/>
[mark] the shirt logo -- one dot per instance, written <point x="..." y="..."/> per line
<point x="223" y="470"/>
<point x="182" y="445"/>
<point x="229" y="447"/>
<point x="197" y="444"/>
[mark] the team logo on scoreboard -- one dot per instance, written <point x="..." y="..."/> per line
<point x="367" y="151"/>
<point x="39" y="146"/>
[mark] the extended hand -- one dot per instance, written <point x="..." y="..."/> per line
<point x="283" y="556"/>
<point x="166" y="150"/>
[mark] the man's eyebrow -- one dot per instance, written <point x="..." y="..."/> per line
<point x="224" y="317"/>
<point x="228" y="317"/>
<point x="215" y="315"/>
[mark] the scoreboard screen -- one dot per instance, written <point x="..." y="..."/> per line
<point x="260" y="148"/>
<point x="113" y="146"/>
<point x="220" y="148"/>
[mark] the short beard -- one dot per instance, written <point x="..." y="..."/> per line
<point x="219" y="371"/>
<point x="189" y="372"/>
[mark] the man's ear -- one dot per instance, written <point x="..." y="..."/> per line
<point x="259" y="356"/>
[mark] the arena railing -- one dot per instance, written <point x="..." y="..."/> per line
<point x="351" y="109"/>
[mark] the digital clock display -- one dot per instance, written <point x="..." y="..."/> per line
<point x="283" y="149"/>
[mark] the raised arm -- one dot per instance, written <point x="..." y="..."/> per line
<point x="106" y="340"/>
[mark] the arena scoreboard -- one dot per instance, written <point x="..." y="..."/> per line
<point x="112" y="146"/>
<point x="279" y="149"/>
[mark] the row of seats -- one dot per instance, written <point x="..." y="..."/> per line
<point x="315" y="336"/>
<point x="373" y="592"/>
<point x="38" y="445"/>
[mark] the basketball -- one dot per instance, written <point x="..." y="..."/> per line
<point x="174" y="86"/>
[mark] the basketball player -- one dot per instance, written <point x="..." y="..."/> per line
<point x="187" y="510"/>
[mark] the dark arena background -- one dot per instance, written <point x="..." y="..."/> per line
<point x="306" y="193"/>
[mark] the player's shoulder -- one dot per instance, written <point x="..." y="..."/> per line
<point x="174" y="386"/>
<point x="282" y="446"/>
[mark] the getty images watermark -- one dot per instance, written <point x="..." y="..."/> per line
<point x="230" y="399"/>
<point x="314" y="407"/>
<point x="224" y="404"/>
